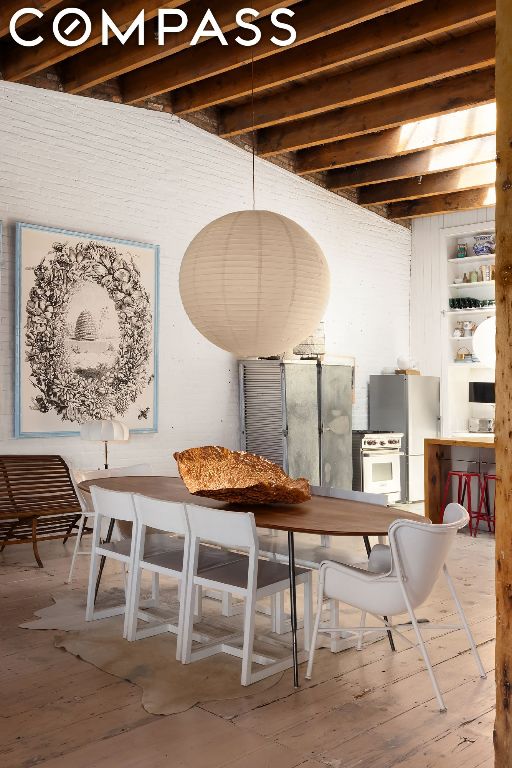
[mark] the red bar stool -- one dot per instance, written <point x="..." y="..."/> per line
<point x="464" y="480"/>
<point x="484" y="508"/>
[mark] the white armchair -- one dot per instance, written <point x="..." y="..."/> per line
<point x="415" y="558"/>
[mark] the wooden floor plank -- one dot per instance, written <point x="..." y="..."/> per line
<point x="371" y="708"/>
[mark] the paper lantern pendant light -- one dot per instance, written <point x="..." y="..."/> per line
<point x="254" y="283"/>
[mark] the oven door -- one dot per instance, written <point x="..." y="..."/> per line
<point x="381" y="471"/>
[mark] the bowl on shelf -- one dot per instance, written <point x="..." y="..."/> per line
<point x="484" y="244"/>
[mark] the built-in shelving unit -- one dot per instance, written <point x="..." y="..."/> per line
<point x="460" y="283"/>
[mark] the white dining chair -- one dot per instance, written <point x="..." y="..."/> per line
<point x="171" y="518"/>
<point x="111" y="505"/>
<point x="79" y="476"/>
<point x="309" y="554"/>
<point x="250" y="578"/>
<point x="418" y="553"/>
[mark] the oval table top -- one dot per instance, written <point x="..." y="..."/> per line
<point x="321" y="515"/>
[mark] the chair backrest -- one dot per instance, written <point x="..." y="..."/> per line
<point x="131" y="471"/>
<point x="80" y="475"/>
<point x="380" y="499"/>
<point x="36" y="485"/>
<point x="168" y="516"/>
<point x="420" y="550"/>
<point x="222" y="527"/>
<point x="113" y="504"/>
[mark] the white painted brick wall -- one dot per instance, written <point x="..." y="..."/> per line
<point x="112" y="170"/>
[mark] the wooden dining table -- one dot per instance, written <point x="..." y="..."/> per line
<point x="320" y="515"/>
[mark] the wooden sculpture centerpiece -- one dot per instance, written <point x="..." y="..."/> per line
<point x="238" y="477"/>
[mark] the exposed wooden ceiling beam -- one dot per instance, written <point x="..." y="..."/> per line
<point x="385" y="33"/>
<point x="469" y="177"/>
<point x="99" y="65"/>
<point x="9" y="8"/>
<point x="423" y="134"/>
<point x="456" y="201"/>
<point x="447" y="96"/>
<point x="444" y="158"/>
<point x="19" y="63"/>
<point x="453" y="57"/>
<point x="313" y="19"/>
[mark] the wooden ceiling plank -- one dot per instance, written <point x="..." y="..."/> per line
<point x="471" y="123"/>
<point x="467" y="200"/>
<point x="389" y="111"/>
<point x="455" y="180"/>
<point x="9" y="8"/>
<point x="382" y="34"/>
<point x="19" y="63"/>
<point x="444" y="158"/>
<point x="313" y="19"/>
<point x="98" y="65"/>
<point x="435" y="62"/>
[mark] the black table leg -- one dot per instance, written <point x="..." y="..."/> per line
<point x="389" y="632"/>
<point x="293" y="602"/>
<point x="103" y="558"/>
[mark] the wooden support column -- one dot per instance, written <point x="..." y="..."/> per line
<point x="503" y="724"/>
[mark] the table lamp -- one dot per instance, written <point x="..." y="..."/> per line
<point x="106" y="431"/>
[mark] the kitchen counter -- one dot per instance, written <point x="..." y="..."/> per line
<point x="438" y="453"/>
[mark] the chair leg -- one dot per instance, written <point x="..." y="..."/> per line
<point x="278" y="614"/>
<point x="93" y="574"/>
<point x="426" y="658"/>
<point x="308" y="612"/>
<point x="34" y="543"/>
<point x="334" y="616"/>
<point x="128" y="597"/>
<point x="75" y="549"/>
<point x="227" y="604"/>
<point x="198" y="603"/>
<point x="362" y="623"/>
<point x="465" y="624"/>
<point x="316" y="627"/>
<point x="132" y="607"/>
<point x="188" y="596"/>
<point x="249" y="627"/>
<point x="70" y="528"/>
<point x="155" y="589"/>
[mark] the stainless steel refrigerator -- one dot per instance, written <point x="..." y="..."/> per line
<point x="408" y="404"/>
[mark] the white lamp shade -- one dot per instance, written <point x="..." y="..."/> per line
<point x="105" y="430"/>
<point x="254" y="283"/>
<point x="484" y="342"/>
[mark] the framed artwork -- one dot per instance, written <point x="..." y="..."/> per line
<point x="86" y="332"/>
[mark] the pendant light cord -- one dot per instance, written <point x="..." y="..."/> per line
<point x="253" y="136"/>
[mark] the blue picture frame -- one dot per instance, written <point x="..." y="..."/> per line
<point x="22" y="227"/>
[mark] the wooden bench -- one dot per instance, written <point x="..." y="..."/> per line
<point x="37" y="501"/>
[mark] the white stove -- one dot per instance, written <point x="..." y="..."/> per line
<point x="376" y="463"/>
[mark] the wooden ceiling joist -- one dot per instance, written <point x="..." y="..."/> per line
<point x="19" y="63"/>
<point x="453" y="57"/>
<point x="99" y="65"/>
<point x="387" y="101"/>
<point x="468" y="200"/>
<point x="382" y="34"/>
<point x="9" y="8"/>
<point x="471" y="123"/>
<point x="316" y="19"/>
<point x="469" y="177"/>
<point x="449" y="95"/>
<point x="444" y="158"/>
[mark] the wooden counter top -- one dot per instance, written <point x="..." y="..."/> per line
<point x="479" y="441"/>
<point x="436" y="453"/>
